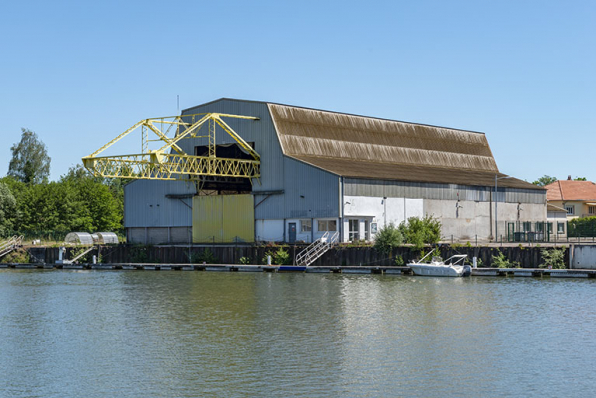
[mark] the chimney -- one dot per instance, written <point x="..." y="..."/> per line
<point x="569" y="178"/>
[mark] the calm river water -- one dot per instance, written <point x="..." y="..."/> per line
<point x="207" y="334"/>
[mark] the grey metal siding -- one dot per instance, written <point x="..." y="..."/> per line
<point x="309" y="191"/>
<point x="278" y="172"/>
<point x="399" y="189"/>
<point x="261" y="132"/>
<point x="146" y="204"/>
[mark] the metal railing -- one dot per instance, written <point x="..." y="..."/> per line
<point x="10" y="245"/>
<point x="316" y="249"/>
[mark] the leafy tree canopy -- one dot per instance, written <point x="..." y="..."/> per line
<point x="30" y="162"/>
<point x="421" y="231"/>
<point x="8" y="209"/>
<point x="580" y="179"/>
<point x="78" y="202"/>
<point x="544" y="180"/>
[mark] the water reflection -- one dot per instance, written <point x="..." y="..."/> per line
<point x="186" y="334"/>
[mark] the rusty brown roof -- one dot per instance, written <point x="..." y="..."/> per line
<point x="364" y="147"/>
<point x="571" y="190"/>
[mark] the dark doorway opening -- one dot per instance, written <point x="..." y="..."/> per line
<point x="210" y="185"/>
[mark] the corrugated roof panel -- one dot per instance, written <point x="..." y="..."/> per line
<point x="309" y="132"/>
<point x="363" y="147"/>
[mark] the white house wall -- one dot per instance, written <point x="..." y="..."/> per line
<point x="470" y="219"/>
<point x="463" y="219"/>
<point x="379" y="210"/>
<point x="459" y="219"/>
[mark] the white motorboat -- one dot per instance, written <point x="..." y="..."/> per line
<point x="453" y="266"/>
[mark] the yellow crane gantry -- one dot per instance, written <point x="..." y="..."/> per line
<point x="176" y="164"/>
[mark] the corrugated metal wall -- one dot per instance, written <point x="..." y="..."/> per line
<point x="146" y="204"/>
<point x="223" y="219"/>
<point x="398" y="189"/>
<point x="261" y="132"/>
<point x="308" y="191"/>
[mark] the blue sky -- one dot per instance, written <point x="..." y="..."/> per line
<point x="523" y="72"/>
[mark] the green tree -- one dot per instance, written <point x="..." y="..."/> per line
<point x="115" y="185"/>
<point x="580" y="179"/>
<point x="47" y="207"/>
<point x="8" y="210"/>
<point x="30" y="162"/>
<point x="100" y="206"/>
<point x="544" y="180"/>
<point x="78" y="202"/>
<point x="421" y="231"/>
<point x="388" y="238"/>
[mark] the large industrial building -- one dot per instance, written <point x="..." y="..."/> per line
<point x="325" y="171"/>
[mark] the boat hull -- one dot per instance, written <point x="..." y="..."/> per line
<point x="437" y="270"/>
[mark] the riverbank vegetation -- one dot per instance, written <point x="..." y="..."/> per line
<point x="417" y="232"/>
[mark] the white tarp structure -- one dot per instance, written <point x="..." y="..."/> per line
<point x="79" y="238"/>
<point x="98" y="238"/>
<point x="107" y="238"/>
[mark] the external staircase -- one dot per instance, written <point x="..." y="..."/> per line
<point x="10" y="244"/>
<point x="316" y="249"/>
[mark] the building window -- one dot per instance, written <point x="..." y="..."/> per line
<point x="570" y="210"/>
<point x="353" y="230"/>
<point x="549" y="227"/>
<point x="327" y="225"/>
<point x="560" y="227"/>
<point x="591" y="209"/>
<point x="305" y="225"/>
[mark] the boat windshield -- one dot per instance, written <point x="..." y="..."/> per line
<point x="457" y="259"/>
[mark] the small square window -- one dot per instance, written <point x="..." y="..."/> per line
<point x="560" y="227"/>
<point x="305" y="225"/>
<point x="570" y="210"/>
<point x="591" y="209"/>
<point x="327" y="225"/>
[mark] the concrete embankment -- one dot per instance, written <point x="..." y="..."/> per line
<point x="387" y="270"/>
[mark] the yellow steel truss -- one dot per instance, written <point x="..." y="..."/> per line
<point x="159" y="165"/>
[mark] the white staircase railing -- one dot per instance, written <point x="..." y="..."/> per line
<point x="316" y="249"/>
<point x="75" y="259"/>
<point x="10" y="244"/>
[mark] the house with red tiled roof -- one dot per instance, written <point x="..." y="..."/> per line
<point x="575" y="198"/>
